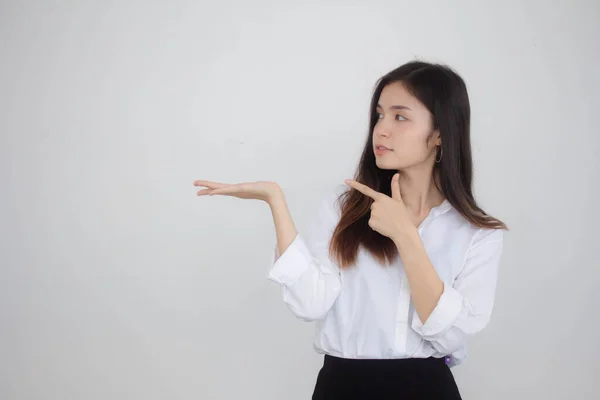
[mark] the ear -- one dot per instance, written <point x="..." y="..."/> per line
<point x="437" y="138"/>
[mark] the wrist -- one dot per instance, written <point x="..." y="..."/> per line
<point x="275" y="195"/>
<point x="406" y="236"/>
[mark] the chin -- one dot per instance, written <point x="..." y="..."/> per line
<point x="387" y="165"/>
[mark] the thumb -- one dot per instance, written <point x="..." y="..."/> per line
<point x="396" y="187"/>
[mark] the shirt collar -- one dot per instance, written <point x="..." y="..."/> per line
<point x="444" y="207"/>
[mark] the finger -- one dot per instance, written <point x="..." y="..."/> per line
<point x="367" y="191"/>
<point x="229" y="189"/>
<point x="396" y="187"/>
<point x="225" y="189"/>
<point x="221" y="191"/>
<point x="204" y="192"/>
<point x="209" y="184"/>
<point x="211" y="192"/>
<point x="372" y="224"/>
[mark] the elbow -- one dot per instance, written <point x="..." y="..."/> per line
<point x="310" y="315"/>
<point x="312" y="308"/>
<point x="447" y="343"/>
<point x="456" y="336"/>
<point x="447" y="347"/>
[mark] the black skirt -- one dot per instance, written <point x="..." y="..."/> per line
<point x="382" y="379"/>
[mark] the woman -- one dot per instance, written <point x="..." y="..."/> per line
<point x="399" y="266"/>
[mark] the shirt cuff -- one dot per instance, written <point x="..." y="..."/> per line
<point x="289" y="266"/>
<point x="442" y="317"/>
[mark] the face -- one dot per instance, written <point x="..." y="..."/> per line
<point x="403" y="136"/>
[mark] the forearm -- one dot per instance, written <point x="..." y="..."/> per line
<point x="310" y="282"/>
<point x="285" y="229"/>
<point x="425" y="285"/>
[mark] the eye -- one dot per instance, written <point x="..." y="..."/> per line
<point x="400" y="116"/>
<point x="379" y="115"/>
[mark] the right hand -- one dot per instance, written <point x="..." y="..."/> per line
<point x="262" y="190"/>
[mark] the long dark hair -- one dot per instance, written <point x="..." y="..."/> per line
<point x="444" y="93"/>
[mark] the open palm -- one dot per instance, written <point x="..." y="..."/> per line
<point x="261" y="190"/>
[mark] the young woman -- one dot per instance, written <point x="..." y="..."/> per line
<point x="399" y="266"/>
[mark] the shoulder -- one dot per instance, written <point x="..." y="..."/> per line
<point x="488" y="235"/>
<point x="458" y="226"/>
<point x="476" y="247"/>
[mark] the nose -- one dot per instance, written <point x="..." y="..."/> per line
<point x="381" y="129"/>
<point x="383" y="126"/>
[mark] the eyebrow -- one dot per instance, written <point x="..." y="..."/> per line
<point x="396" y="107"/>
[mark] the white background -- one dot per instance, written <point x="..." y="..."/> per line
<point x="117" y="282"/>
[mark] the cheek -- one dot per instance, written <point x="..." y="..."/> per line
<point x="410" y="145"/>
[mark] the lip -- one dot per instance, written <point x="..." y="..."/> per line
<point x="380" y="150"/>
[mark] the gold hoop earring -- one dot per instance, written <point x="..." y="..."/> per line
<point x="441" y="155"/>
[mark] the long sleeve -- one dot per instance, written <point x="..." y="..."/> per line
<point x="465" y="307"/>
<point x="310" y="281"/>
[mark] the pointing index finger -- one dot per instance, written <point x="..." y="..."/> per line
<point x="364" y="189"/>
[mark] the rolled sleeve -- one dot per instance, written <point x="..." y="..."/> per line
<point x="288" y="267"/>
<point x="465" y="307"/>
<point x="443" y="315"/>
<point x="309" y="278"/>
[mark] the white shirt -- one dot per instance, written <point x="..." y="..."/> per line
<point x="366" y="311"/>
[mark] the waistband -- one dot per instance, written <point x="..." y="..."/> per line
<point x="384" y="363"/>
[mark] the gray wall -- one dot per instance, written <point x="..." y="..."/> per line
<point x="117" y="282"/>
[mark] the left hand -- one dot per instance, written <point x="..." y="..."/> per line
<point x="389" y="215"/>
<point x="261" y="190"/>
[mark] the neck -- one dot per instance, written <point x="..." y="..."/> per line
<point x="418" y="190"/>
